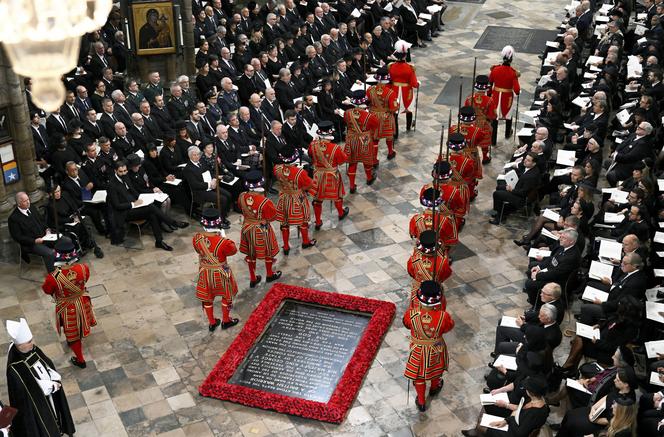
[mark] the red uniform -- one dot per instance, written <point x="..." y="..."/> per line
<point x="293" y="207"/>
<point x="383" y="104"/>
<point x="359" y="143"/>
<point x="456" y="195"/>
<point x="404" y="80"/>
<point x="257" y="239"/>
<point x="505" y="80"/>
<point x="428" y="357"/>
<point x="73" y="309"/>
<point x="475" y="137"/>
<point x="464" y="163"/>
<point x="446" y="228"/>
<point x="481" y="103"/>
<point x="420" y="268"/>
<point x="215" y="277"/>
<point x="327" y="157"/>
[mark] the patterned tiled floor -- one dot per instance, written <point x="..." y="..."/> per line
<point x="151" y="348"/>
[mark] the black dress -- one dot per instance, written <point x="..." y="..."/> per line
<point x="576" y="422"/>
<point x="530" y="419"/>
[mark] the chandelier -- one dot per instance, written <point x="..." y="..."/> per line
<point x="42" y="39"/>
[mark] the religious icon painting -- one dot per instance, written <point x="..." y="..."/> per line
<point x="154" y="27"/>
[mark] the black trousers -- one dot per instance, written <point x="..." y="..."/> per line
<point x="47" y="254"/>
<point x="152" y="214"/>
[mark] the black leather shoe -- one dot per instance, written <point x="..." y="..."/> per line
<point x="77" y="363"/>
<point x="469" y="432"/>
<point x="486" y="161"/>
<point x="217" y="322"/>
<point x="181" y="225"/>
<point x="98" y="252"/>
<point x="521" y="242"/>
<point x="421" y="407"/>
<point x="226" y="325"/>
<point x="317" y="226"/>
<point x="371" y="181"/>
<point x="311" y="243"/>
<point x="345" y="214"/>
<point x="163" y="245"/>
<point x="274" y="276"/>
<point x="435" y="391"/>
<point x="486" y="390"/>
<point x="490" y="365"/>
<point x="165" y="228"/>
<point x="493" y="355"/>
<point x="495" y="221"/>
<point x="252" y="284"/>
<point x="435" y="34"/>
<point x="286" y="251"/>
<point x="353" y="190"/>
<point x="391" y="155"/>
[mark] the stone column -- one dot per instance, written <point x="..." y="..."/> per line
<point x="188" y="66"/>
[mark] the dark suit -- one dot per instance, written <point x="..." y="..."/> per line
<point x="82" y="106"/>
<point x="246" y="87"/>
<point x="123" y="114"/>
<point x="75" y="189"/>
<point x="107" y="123"/>
<point x="634" y="284"/>
<point x="271" y="110"/>
<point x="40" y="138"/>
<point x="124" y="146"/>
<point x="142" y="137"/>
<point x="164" y="119"/>
<point x="56" y="125"/>
<point x="516" y="198"/>
<point x="193" y="175"/>
<point x="177" y="108"/>
<point x="286" y="93"/>
<point x="120" y="197"/>
<point x="628" y="154"/>
<point x="555" y="268"/>
<point x="70" y="113"/>
<point x="26" y="229"/>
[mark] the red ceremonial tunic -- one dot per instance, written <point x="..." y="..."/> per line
<point x="505" y="80"/>
<point x="446" y="228"/>
<point x="404" y="80"/>
<point x="257" y="238"/>
<point x="73" y="309"/>
<point x="359" y="141"/>
<point x="428" y="352"/>
<point x="215" y="277"/>
<point x="481" y="103"/>
<point x="464" y="163"/>
<point x="326" y="157"/>
<point x="420" y="268"/>
<point x="475" y="137"/>
<point x="383" y="104"/>
<point x="293" y="207"/>
<point x="456" y="195"/>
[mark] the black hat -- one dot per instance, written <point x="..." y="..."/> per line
<point x="287" y="154"/>
<point x="482" y="82"/>
<point x="429" y="195"/>
<point x="325" y="128"/>
<point x="133" y="160"/>
<point x="430" y="293"/>
<point x="625" y="401"/>
<point x="442" y="170"/>
<point x="65" y="250"/>
<point x="536" y="385"/>
<point x="359" y="97"/>
<point x="180" y="124"/>
<point x="74" y="124"/>
<point x="639" y="165"/>
<point x="254" y="180"/>
<point x="151" y="146"/>
<point x="467" y="114"/>
<point x="210" y="94"/>
<point x="210" y="218"/>
<point x="587" y="186"/>
<point x="456" y="141"/>
<point x="295" y="66"/>
<point x="427" y="242"/>
<point x="382" y="75"/>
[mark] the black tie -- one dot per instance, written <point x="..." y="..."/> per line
<point x="62" y="123"/>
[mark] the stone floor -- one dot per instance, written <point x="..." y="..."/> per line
<point x="151" y="348"/>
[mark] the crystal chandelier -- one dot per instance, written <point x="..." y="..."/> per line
<point x="42" y="39"/>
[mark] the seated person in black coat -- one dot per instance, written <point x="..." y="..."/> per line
<point x="170" y="157"/>
<point x="202" y="191"/>
<point x="516" y="197"/>
<point x="546" y="318"/>
<point x="632" y="150"/>
<point x="557" y="267"/>
<point x="27" y="228"/>
<point x="630" y="281"/>
<point x="125" y="205"/>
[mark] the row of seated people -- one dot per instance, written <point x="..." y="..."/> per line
<point x="591" y="251"/>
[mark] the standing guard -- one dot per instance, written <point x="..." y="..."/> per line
<point x="420" y="265"/>
<point x="505" y="83"/>
<point x="453" y="190"/>
<point x="73" y="309"/>
<point x="481" y="103"/>
<point x="215" y="277"/>
<point x="465" y="162"/>
<point x="404" y="81"/>
<point x="293" y="206"/>
<point x="257" y="238"/>
<point x="475" y="135"/>
<point x="359" y="147"/>
<point x="326" y="157"/>
<point x="427" y="321"/>
<point x="446" y="225"/>
<point x="384" y="105"/>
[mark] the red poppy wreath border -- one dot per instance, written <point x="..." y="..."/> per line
<point x="216" y="384"/>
